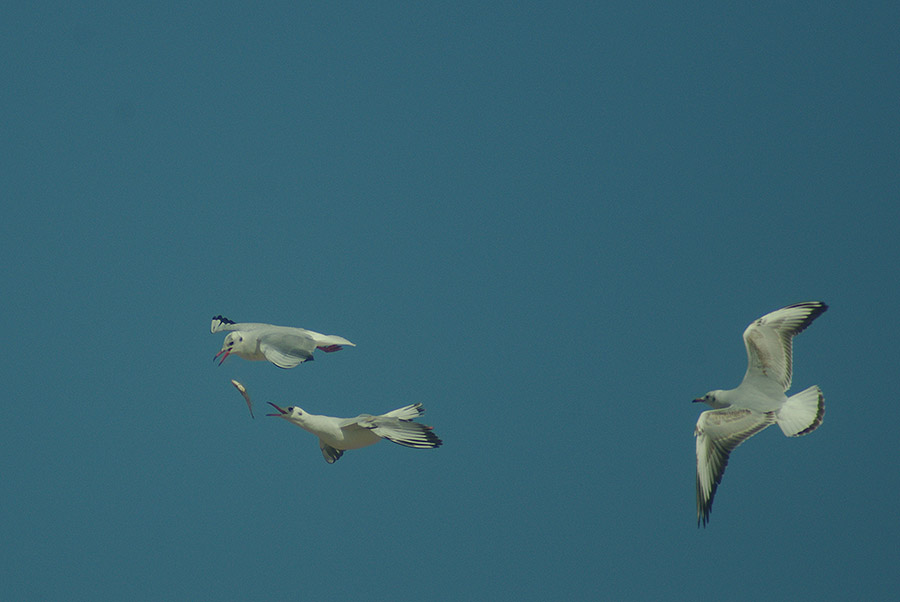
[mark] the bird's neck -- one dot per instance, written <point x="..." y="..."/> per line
<point x="723" y="399"/>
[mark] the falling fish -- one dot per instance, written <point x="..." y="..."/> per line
<point x="243" y="391"/>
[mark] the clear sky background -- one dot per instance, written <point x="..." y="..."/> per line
<point x="550" y="223"/>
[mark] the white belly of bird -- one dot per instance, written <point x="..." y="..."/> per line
<point x="754" y="398"/>
<point x="353" y="439"/>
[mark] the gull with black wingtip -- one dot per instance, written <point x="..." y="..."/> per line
<point x="284" y="346"/>
<point x="759" y="401"/>
<point x="336" y="435"/>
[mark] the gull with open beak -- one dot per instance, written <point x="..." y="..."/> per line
<point x="336" y="435"/>
<point x="284" y="346"/>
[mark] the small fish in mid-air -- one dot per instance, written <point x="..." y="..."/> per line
<point x="243" y="391"/>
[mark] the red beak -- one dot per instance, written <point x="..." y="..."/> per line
<point x="283" y="412"/>
<point x="227" y="352"/>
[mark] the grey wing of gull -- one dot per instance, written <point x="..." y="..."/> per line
<point x="718" y="433"/>
<point x="400" y="431"/>
<point x="769" y="342"/>
<point x="286" y="349"/>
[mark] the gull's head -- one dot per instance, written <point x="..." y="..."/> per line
<point x="234" y="341"/>
<point x="712" y="399"/>
<point x="292" y="413"/>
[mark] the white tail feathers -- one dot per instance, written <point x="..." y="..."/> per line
<point x="802" y="413"/>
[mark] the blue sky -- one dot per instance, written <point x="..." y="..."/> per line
<point x="549" y="223"/>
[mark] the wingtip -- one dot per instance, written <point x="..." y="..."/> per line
<point x="816" y="309"/>
<point x="431" y="437"/>
<point x="704" y="507"/>
<point x="819" y="308"/>
<point x="217" y="322"/>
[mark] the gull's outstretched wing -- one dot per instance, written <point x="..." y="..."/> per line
<point x="718" y="432"/>
<point x="399" y="430"/>
<point x="768" y="341"/>
<point x="284" y="348"/>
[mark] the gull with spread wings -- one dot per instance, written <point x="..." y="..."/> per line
<point x="336" y="435"/>
<point x="759" y="401"/>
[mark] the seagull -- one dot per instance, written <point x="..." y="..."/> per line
<point x="284" y="346"/>
<point x="759" y="401"/>
<point x="336" y="435"/>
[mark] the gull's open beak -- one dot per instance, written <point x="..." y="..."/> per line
<point x="700" y="400"/>
<point x="283" y="412"/>
<point x="227" y="352"/>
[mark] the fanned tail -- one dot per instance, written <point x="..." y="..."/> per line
<point x="802" y="413"/>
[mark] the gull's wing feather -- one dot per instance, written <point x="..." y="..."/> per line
<point x="286" y="349"/>
<point x="221" y="323"/>
<point x="409" y="412"/>
<point x="400" y="431"/>
<point x="768" y="341"/>
<point x="718" y="432"/>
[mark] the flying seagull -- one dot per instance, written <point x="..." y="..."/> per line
<point x="759" y="401"/>
<point x="337" y="435"/>
<point x="284" y="346"/>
